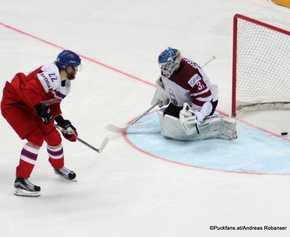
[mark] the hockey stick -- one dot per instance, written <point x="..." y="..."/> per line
<point x="99" y="150"/>
<point x="116" y="129"/>
<point x="213" y="57"/>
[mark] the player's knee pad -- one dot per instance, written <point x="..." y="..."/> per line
<point x="53" y="138"/>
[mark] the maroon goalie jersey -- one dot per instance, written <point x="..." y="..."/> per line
<point x="189" y="84"/>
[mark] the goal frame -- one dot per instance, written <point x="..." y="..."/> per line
<point x="235" y="51"/>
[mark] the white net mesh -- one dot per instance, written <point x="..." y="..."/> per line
<point x="262" y="64"/>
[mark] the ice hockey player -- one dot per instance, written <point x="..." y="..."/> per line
<point x="31" y="105"/>
<point x="188" y="100"/>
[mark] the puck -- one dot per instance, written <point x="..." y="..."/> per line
<point x="284" y="133"/>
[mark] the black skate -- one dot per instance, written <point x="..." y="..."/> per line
<point x="65" y="173"/>
<point x="23" y="187"/>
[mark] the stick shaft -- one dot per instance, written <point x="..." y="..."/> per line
<point x="142" y="115"/>
<point x="116" y="129"/>
<point x="79" y="139"/>
<point x="88" y="145"/>
<point x="212" y="58"/>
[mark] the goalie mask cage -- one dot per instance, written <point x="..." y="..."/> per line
<point x="261" y="63"/>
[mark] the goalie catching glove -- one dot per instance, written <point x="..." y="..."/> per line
<point x="189" y="119"/>
<point x="70" y="132"/>
<point x="160" y="96"/>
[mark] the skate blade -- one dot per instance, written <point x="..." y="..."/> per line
<point x="25" y="193"/>
<point x="71" y="180"/>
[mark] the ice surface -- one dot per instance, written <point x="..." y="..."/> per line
<point x="122" y="191"/>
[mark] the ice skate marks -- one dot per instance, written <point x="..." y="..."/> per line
<point x="253" y="152"/>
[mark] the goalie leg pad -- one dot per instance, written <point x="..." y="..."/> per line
<point x="228" y="128"/>
<point x="219" y="126"/>
<point x="171" y="127"/>
<point x="213" y="127"/>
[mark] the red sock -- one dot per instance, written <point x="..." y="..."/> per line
<point x="27" y="161"/>
<point x="56" y="157"/>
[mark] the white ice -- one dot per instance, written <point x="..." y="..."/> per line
<point x="122" y="191"/>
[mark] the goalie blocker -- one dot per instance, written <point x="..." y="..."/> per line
<point x="215" y="126"/>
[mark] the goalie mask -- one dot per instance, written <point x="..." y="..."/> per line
<point x="169" y="60"/>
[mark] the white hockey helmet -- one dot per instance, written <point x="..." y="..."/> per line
<point x="169" y="60"/>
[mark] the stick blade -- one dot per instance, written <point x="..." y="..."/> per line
<point x="104" y="143"/>
<point x="115" y="129"/>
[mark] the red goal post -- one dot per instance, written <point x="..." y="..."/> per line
<point x="261" y="63"/>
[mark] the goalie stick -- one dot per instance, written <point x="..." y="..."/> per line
<point x="116" y="129"/>
<point x="212" y="58"/>
<point x="99" y="150"/>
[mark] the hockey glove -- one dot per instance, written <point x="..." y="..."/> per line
<point x="189" y="119"/>
<point x="70" y="132"/>
<point x="43" y="112"/>
<point x="160" y="96"/>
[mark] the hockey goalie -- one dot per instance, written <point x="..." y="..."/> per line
<point x="188" y="100"/>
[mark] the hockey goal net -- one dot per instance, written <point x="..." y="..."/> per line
<point x="261" y="63"/>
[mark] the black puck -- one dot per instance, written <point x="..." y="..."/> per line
<point x="284" y="133"/>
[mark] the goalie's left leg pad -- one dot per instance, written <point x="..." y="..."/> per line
<point x="228" y="128"/>
<point x="218" y="126"/>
